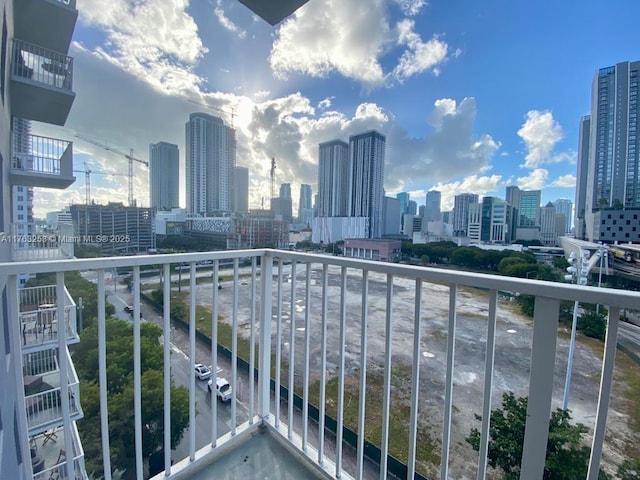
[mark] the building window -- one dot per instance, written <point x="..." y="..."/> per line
<point x="626" y="235"/>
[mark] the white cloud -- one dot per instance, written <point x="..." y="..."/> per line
<point x="565" y="181"/>
<point x="481" y="185"/>
<point x="155" y="40"/>
<point x="535" y="180"/>
<point x="226" y="22"/>
<point x="411" y="7"/>
<point x="451" y="150"/>
<point x="419" y="56"/>
<point x="540" y="133"/>
<point x="352" y="38"/>
<point x="325" y="103"/>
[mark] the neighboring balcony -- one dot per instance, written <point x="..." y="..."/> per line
<point x="38" y="161"/>
<point x="49" y="23"/>
<point x="39" y="320"/>
<point x="48" y="455"/>
<point x="41" y="83"/>
<point x="44" y="381"/>
<point x="322" y="352"/>
<point x="53" y="243"/>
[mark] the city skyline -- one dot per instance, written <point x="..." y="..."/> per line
<point x="424" y="84"/>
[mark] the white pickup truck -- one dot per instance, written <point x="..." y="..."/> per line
<point x="223" y="389"/>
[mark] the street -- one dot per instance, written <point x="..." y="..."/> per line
<point x="119" y="297"/>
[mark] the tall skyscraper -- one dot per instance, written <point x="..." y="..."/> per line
<point x="530" y="208"/>
<point x="432" y="206"/>
<point x="583" y="170"/>
<point x="404" y="206"/>
<point x="333" y="179"/>
<point x="564" y="206"/>
<point x="366" y="176"/>
<point x="241" y="190"/>
<point x="285" y="190"/>
<point x="305" y="207"/>
<point x="210" y="164"/>
<point x="22" y="201"/>
<point x="413" y="208"/>
<point x="164" y="175"/>
<point x="613" y="173"/>
<point x="512" y="197"/>
<point x="493" y="220"/>
<point x="461" y="204"/>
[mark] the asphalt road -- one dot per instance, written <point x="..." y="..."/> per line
<point x="181" y="372"/>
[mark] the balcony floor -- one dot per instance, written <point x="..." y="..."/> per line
<point x="261" y="456"/>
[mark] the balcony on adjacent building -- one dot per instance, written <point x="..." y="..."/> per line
<point x="48" y="243"/>
<point x="38" y="161"/>
<point x="38" y="318"/>
<point x="323" y="352"/>
<point x="48" y="454"/>
<point x="41" y="83"/>
<point x="56" y="20"/>
<point x="44" y="381"/>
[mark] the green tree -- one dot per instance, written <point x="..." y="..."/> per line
<point x="120" y="389"/>
<point x="591" y="323"/>
<point x="424" y="260"/>
<point x="567" y="457"/>
<point x="629" y="470"/>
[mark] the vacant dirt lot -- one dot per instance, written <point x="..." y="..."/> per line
<point x="512" y="357"/>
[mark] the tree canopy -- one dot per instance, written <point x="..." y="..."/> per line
<point x="567" y="456"/>
<point x="120" y="388"/>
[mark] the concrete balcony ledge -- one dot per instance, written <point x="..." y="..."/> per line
<point x="56" y="20"/>
<point x="41" y="161"/>
<point x="49" y="459"/>
<point x="41" y="83"/>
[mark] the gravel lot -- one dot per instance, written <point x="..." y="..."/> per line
<point x="512" y="357"/>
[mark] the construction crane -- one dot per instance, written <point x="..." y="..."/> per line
<point x="128" y="156"/>
<point x="231" y="114"/>
<point x="87" y="180"/>
<point x="273" y="178"/>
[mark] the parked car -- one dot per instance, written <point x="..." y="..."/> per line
<point x="128" y="309"/>
<point x="202" y="372"/>
<point x="223" y="389"/>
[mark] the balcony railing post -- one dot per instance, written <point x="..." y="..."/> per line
<point x="64" y="370"/>
<point x="543" y="358"/>
<point x="264" y="366"/>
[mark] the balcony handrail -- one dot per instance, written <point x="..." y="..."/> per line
<point x="554" y="290"/>
<point x="544" y="329"/>
<point x="46" y="407"/>
<point x="42" y="65"/>
<point x="38" y="154"/>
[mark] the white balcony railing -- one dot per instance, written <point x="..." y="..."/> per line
<point x="46" y="244"/>
<point x="38" y="317"/>
<point x="370" y="328"/>
<point x="59" y="468"/>
<point x="44" y="408"/>
<point x="41" y="155"/>
<point x="41" y="65"/>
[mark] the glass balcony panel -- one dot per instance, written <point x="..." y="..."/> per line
<point x="48" y="243"/>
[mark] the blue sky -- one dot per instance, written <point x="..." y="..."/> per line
<point x="472" y="96"/>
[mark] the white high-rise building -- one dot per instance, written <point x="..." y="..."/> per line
<point x="461" y="204"/>
<point x="37" y="389"/>
<point x="333" y="179"/>
<point x="366" y="177"/>
<point x="210" y="164"/>
<point x="164" y="175"/>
